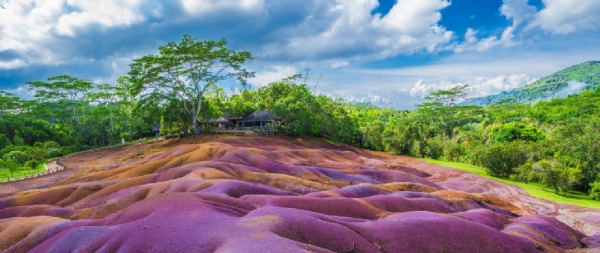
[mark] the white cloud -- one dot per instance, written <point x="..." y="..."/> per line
<point x="370" y="98"/>
<point x="568" y="16"/>
<point x="105" y="13"/>
<point x="22" y="92"/>
<point x="472" y="43"/>
<point x="557" y="16"/>
<point x="339" y="64"/>
<point x="32" y="30"/>
<point x="573" y="87"/>
<point x="201" y="7"/>
<point x="348" y="31"/>
<point x="518" y="10"/>
<point x="274" y="74"/>
<point x="481" y="86"/>
<point x="11" y="64"/>
<point x="485" y="86"/>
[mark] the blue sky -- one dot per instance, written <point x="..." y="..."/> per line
<point x="391" y="53"/>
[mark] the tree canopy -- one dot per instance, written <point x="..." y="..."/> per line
<point x="182" y="72"/>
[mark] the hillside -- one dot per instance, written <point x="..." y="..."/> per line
<point x="253" y="194"/>
<point x="559" y="84"/>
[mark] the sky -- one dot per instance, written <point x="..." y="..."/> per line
<point x="388" y="52"/>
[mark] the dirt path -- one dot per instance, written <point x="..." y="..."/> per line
<point x="586" y="220"/>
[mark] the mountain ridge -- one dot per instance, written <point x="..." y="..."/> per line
<point x="559" y="84"/>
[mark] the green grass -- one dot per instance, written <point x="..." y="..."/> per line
<point x="19" y="172"/>
<point x="534" y="189"/>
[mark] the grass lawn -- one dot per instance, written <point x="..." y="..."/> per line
<point x="6" y="172"/>
<point x="534" y="189"/>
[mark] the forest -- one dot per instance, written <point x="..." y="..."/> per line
<point x="554" y="142"/>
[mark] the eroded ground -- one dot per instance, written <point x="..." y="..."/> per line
<point x="252" y="194"/>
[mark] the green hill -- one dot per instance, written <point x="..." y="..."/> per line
<point x="558" y="84"/>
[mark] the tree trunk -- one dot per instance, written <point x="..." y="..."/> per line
<point x="196" y="126"/>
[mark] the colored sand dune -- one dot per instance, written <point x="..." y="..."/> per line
<point x="264" y="195"/>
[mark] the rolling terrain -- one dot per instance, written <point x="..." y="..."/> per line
<point x="253" y="194"/>
<point x="572" y="80"/>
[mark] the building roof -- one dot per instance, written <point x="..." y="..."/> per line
<point x="227" y="117"/>
<point x="221" y="120"/>
<point x="259" y="116"/>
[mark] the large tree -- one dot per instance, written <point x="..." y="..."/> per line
<point x="63" y="95"/>
<point x="441" y="109"/>
<point x="184" y="71"/>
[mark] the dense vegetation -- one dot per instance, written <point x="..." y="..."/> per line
<point x="552" y="86"/>
<point x="556" y="143"/>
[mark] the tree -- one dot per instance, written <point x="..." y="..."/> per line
<point x="186" y="70"/>
<point x="516" y="131"/>
<point x="299" y="110"/>
<point x="558" y="175"/>
<point x="8" y="102"/>
<point x="500" y="159"/>
<point x="69" y="91"/>
<point x="447" y="98"/>
<point x="16" y="156"/>
<point x="11" y="165"/>
<point x="4" y="141"/>
<point x="595" y="190"/>
<point x="440" y="109"/>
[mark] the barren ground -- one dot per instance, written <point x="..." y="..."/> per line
<point x="126" y="185"/>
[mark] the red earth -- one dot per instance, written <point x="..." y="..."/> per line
<point x="283" y="194"/>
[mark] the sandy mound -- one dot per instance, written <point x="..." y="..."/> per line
<point x="252" y="194"/>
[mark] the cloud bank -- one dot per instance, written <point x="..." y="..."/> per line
<point x="359" y="50"/>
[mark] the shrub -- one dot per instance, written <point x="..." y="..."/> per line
<point x="453" y="151"/>
<point x="595" y="190"/>
<point x="32" y="163"/>
<point x="51" y="144"/>
<point x="434" y="148"/>
<point x="37" y="153"/>
<point x="416" y="149"/>
<point x="66" y="151"/>
<point x="54" y="152"/>
<point x="516" y="131"/>
<point x="524" y="172"/>
<point x="500" y="159"/>
<point x="126" y="136"/>
<point x="4" y="141"/>
<point x="19" y="157"/>
<point x="18" y="141"/>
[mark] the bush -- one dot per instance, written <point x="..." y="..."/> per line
<point x="18" y="141"/>
<point x="434" y="148"/>
<point x="125" y="135"/>
<point x="453" y="151"/>
<point x="37" y="153"/>
<point x="416" y="149"/>
<point x="32" y="163"/>
<point x="66" y="151"/>
<point x="51" y="144"/>
<point x="4" y="141"/>
<point x="500" y="159"/>
<point x="516" y="131"/>
<point x="524" y="172"/>
<point x="595" y="190"/>
<point x="19" y="157"/>
<point x="54" y="152"/>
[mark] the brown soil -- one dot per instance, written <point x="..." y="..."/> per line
<point x="584" y="219"/>
<point x="587" y="220"/>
